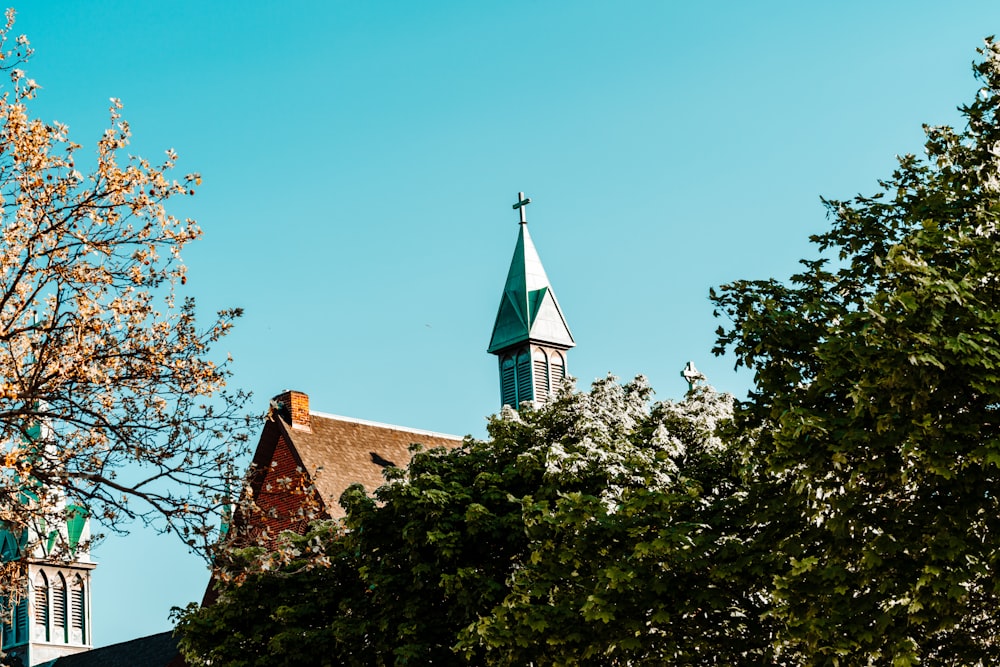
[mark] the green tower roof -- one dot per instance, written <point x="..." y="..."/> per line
<point x="528" y="310"/>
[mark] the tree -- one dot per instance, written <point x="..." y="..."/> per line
<point x="653" y="569"/>
<point x="594" y="530"/>
<point x="877" y="404"/>
<point x="297" y="613"/>
<point x="110" y="399"/>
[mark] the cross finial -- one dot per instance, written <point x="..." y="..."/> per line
<point x="692" y="375"/>
<point x="522" y="202"/>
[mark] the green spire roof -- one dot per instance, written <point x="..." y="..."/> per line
<point x="528" y="308"/>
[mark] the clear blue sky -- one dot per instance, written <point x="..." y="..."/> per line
<point x="360" y="160"/>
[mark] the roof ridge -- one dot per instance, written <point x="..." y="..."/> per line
<point x="366" y="422"/>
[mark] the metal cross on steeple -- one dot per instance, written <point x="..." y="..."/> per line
<point x="522" y="202"/>
<point x="692" y="375"/>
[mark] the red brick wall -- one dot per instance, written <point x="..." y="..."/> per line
<point x="286" y="500"/>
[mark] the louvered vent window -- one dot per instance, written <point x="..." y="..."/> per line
<point x="541" y="367"/>
<point x="558" y="369"/>
<point x="41" y="607"/>
<point x="21" y="622"/>
<point x="78" y="608"/>
<point x="77" y="612"/>
<point x="8" y="624"/>
<point x="59" y="607"/>
<point x="41" y="600"/>
<point x="508" y="383"/>
<point x="523" y="377"/>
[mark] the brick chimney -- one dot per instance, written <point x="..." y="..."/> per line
<point x="294" y="409"/>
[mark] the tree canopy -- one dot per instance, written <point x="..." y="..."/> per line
<point x="589" y="531"/>
<point x="877" y="401"/>
<point x="110" y="396"/>
<point x="847" y="514"/>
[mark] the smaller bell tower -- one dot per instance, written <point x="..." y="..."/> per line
<point x="530" y="335"/>
<point x="50" y="617"/>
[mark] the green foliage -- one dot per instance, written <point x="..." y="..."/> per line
<point x="877" y="398"/>
<point x="651" y="573"/>
<point x="848" y="516"/>
<point x="293" y="615"/>
<point x="594" y="530"/>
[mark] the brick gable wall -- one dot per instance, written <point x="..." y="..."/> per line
<point x="285" y="500"/>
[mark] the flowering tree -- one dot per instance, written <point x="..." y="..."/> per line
<point x="598" y="529"/>
<point x="109" y="399"/>
<point x="638" y="552"/>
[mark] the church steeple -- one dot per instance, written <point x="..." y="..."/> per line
<point x="530" y="335"/>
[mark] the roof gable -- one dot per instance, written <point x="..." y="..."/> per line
<point x="547" y="323"/>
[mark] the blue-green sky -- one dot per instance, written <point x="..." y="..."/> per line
<point x="360" y="160"/>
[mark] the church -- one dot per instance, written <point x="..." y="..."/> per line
<point x="301" y="449"/>
<point x="303" y="462"/>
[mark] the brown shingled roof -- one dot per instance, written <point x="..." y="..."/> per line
<point x="340" y="451"/>
<point x="329" y="451"/>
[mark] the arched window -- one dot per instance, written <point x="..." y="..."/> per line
<point x="558" y="363"/>
<point x="541" y="368"/>
<point x="508" y="382"/>
<point x="42" y="607"/>
<point x="59" y="608"/>
<point x="78" y="611"/>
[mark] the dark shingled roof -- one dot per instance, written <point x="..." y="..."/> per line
<point x="152" y="651"/>
<point x="340" y="451"/>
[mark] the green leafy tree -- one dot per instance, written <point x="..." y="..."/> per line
<point x="649" y="569"/>
<point x="877" y="402"/>
<point x="303" y="612"/>
<point x="595" y="530"/>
